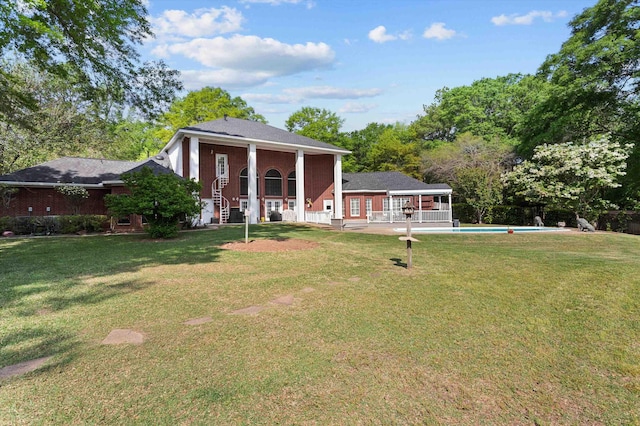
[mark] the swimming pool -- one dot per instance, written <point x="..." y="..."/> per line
<point x="481" y="230"/>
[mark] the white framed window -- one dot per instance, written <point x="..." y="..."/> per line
<point x="291" y="204"/>
<point x="368" y="203"/>
<point x="244" y="204"/>
<point x="354" y="204"/>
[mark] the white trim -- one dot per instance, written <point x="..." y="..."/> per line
<point x="337" y="187"/>
<point x="421" y="192"/>
<point x="194" y="159"/>
<point x="300" y="202"/>
<point x="261" y="143"/>
<point x="252" y="184"/>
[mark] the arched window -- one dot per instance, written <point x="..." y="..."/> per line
<point x="244" y="182"/>
<point x="291" y="184"/>
<point x="273" y="183"/>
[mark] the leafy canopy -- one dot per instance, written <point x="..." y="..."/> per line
<point x="208" y="103"/>
<point x="92" y="42"/>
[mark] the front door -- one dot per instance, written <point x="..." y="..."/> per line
<point x="272" y="206"/>
<point x="222" y="165"/>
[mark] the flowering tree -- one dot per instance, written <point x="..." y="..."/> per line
<point x="571" y="176"/>
<point x="75" y="196"/>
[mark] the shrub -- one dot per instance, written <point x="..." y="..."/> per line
<point x="82" y="223"/>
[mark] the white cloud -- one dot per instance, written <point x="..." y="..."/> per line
<point x="353" y="107"/>
<point x="266" y="98"/>
<point x="330" y="92"/>
<point x="255" y="54"/>
<point x="202" y="22"/>
<point x="301" y="94"/>
<point x="229" y="79"/>
<point x="310" y="4"/>
<point x="379" y="35"/>
<point x="527" y="19"/>
<point x="438" y="31"/>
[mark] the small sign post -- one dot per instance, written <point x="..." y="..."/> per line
<point x="247" y="214"/>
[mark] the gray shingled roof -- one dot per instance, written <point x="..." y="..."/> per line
<point x="255" y="130"/>
<point x="85" y="171"/>
<point x="385" y="181"/>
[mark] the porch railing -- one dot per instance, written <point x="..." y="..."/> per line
<point x="318" y="217"/>
<point x="425" y="216"/>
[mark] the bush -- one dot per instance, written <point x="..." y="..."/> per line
<point x="162" y="230"/>
<point x="275" y="217"/>
<point x="82" y="223"/>
<point x="6" y="224"/>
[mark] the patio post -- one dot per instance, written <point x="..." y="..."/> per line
<point x="252" y="193"/>
<point x="300" y="204"/>
<point x="420" y="208"/>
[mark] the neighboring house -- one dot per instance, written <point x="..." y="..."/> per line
<point x="36" y="194"/>
<point x="245" y="167"/>
<point x="379" y="197"/>
<point x="249" y="166"/>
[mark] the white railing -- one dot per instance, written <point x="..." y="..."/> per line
<point x="318" y="217"/>
<point x="425" y="216"/>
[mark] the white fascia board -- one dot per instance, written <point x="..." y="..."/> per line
<point x="176" y="137"/>
<point x="51" y="185"/>
<point x="241" y="141"/>
<point x="421" y="192"/>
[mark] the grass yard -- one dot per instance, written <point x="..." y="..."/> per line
<point x="485" y="329"/>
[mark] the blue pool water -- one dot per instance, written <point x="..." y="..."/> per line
<point x="481" y="230"/>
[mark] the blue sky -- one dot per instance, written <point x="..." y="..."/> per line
<point x="367" y="61"/>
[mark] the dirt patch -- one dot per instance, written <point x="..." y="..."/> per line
<point x="271" y="245"/>
<point x="284" y="300"/>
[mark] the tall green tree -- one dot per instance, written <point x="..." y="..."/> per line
<point x="92" y="42"/>
<point x="360" y="142"/>
<point x="62" y="124"/>
<point x="595" y="84"/>
<point x="317" y="123"/>
<point x="395" y="152"/>
<point x="473" y="168"/>
<point x="208" y="103"/>
<point x="488" y="108"/>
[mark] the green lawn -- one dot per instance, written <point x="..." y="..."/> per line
<point x="485" y="329"/>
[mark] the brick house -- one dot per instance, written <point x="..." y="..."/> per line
<point x="244" y="167"/>
<point x="379" y="197"/>
<point x="36" y="194"/>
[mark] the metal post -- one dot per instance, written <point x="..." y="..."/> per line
<point x="246" y="226"/>
<point x="409" y="251"/>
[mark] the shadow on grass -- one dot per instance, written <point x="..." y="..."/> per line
<point x="398" y="262"/>
<point x="40" y="276"/>
<point x="32" y="342"/>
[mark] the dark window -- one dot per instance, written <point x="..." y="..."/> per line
<point x="273" y="183"/>
<point x="244" y="183"/>
<point x="291" y="184"/>
<point x="124" y="220"/>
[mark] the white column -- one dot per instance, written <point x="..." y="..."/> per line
<point x="337" y="186"/>
<point x="420" y="208"/>
<point x="252" y="167"/>
<point x="194" y="158"/>
<point x="450" y="210"/>
<point x="390" y="208"/>
<point x="300" y="204"/>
